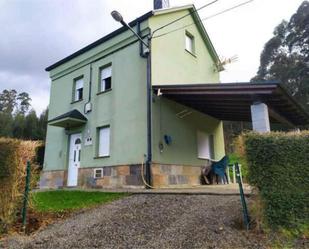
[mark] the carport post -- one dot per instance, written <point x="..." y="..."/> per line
<point x="260" y="117"/>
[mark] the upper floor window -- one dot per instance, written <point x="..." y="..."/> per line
<point x="105" y="79"/>
<point x="190" y="46"/>
<point x="78" y="89"/>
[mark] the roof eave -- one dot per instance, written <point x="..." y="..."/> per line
<point x="173" y="9"/>
<point x="209" y="44"/>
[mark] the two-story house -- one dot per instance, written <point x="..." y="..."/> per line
<point x="97" y="130"/>
<point x="97" y="114"/>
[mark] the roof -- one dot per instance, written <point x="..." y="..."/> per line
<point x="232" y="101"/>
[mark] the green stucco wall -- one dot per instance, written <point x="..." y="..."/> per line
<point x="171" y="63"/>
<point x="183" y="131"/>
<point x="124" y="107"/>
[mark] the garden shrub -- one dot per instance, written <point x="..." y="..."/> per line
<point x="13" y="157"/>
<point x="278" y="166"/>
<point x="233" y="158"/>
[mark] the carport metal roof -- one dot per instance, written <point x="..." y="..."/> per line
<point x="232" y="101"/>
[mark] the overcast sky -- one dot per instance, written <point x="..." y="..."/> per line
<point x="37" y="33"/>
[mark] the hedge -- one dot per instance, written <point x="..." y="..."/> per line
<point x="278" y="166"/>
<point x="13" y="157"/>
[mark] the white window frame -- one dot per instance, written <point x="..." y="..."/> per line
<point x="95" y="173"/>
<point x="105" y="72"/>
<point x="78" y="84"/>
<point x="189" y="43"/>
<point x="104" y="141"/>
<point x="204" y="145"/>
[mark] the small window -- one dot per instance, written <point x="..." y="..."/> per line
<point x="104" y="141"/>
<point x="78" y="89"/>
<point x="98" y="173"/>
<point x="205" y="145"/>
<point x="190" y="43"/>
<point x="78" y="141"/>
<point x="105" y="79"/>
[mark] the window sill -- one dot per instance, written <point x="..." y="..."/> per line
<point x="194" y="55"/>
<point x="106" y="91"/>
<point x="76" y="101"/>
<point x="101" y="157"/>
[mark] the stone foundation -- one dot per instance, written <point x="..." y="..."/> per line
<point x="175" y="175"/>
<point x="124" y="176"/>
<point x="113" y="177"/>
<point x="53" y="179"/>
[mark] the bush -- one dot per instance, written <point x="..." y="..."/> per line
<point x="236" y="158"/>
<point x="13" y="157"/>
<point x="278" y="166"/>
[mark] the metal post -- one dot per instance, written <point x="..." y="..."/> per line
<point x="26" y="193"/>
<point x="242" y="197"/>
<point x="228" y="174"/>
<point x="240" y="174"/>
<point x="234" y="174"/>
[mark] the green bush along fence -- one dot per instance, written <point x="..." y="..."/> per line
<point x="13" y="157"/>
<point x="278" y="166"/>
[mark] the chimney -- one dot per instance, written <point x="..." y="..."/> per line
<point x="161" y="4"/>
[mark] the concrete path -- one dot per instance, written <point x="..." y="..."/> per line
<point x="220" y="189"/>
<point x="227" y="189"/>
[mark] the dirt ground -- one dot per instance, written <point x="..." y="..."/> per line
<point x="149" y="221"/>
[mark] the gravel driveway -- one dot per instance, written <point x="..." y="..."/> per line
<point x="149" y="221"/>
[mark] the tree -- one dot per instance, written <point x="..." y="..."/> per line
<point x="6" y="121"/>
<point x="42" y="126"/>
<point x="18" y="128"/>
<point x="31" y="126"/>
<point x="7" y="105"/>
<point x="16" y="121"/>
<point x="8" y="101"/>
<point x="24" y="102"/>
<point x="286" y="56"/>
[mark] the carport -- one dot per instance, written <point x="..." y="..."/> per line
<point x="259" y="103"/>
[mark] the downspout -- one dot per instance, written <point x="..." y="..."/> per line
<point x="149" y="111"/>
<point x="149" y="107"/>
<point x="141" y="50"/>
<point x="87" y="106"/>
<point x="90" y="83"/>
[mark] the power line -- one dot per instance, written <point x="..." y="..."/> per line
<point x="178" y="19"/>
<point x="206" y="18"/>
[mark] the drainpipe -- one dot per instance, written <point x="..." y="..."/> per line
<point x="141" y="45"/>
<point x="149" y="111"/>
<point x="88" y="106"/>
<point x="149" y="102"/>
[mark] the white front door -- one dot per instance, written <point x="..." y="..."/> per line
<point x="74" y="158"/>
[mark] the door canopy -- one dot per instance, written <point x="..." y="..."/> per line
<point x="68" y="120"/>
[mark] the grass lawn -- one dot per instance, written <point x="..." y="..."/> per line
<point x="66" y="200"/>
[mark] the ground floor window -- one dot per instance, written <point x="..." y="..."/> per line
<point x="205" y="145"/>
<point x="104" y="141"/>
<point x="98" y="173"/>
